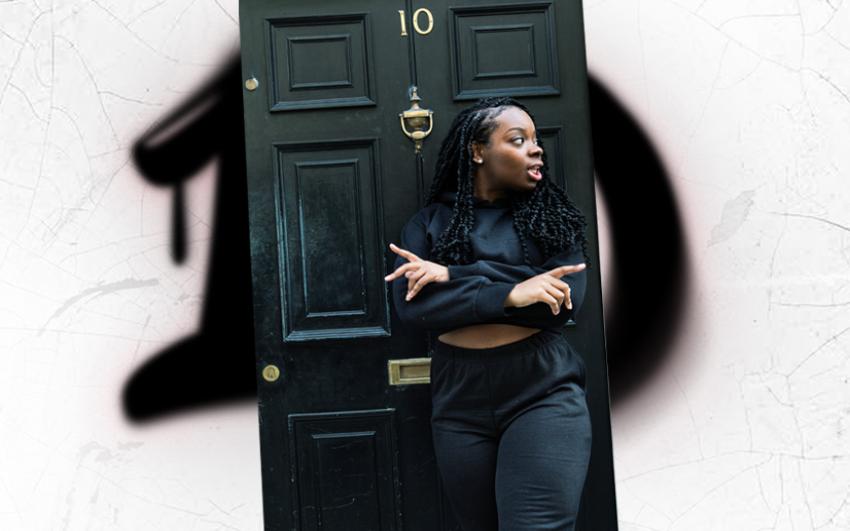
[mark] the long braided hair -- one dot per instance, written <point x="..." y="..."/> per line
<point x="545" y="215"/>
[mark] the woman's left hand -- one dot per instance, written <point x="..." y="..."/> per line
<point x="418" y="272"/>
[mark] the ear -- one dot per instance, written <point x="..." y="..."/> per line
<point x="477" y="151"/>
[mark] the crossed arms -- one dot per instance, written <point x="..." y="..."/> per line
<point x="477" y="292"/>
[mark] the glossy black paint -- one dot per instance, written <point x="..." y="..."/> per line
<point x="331" y="181"/>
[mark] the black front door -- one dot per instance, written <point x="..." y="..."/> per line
<point x="344" y="404"/>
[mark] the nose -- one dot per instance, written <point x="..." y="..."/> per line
<point x="535" y="150"/>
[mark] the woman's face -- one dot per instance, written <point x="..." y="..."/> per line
<point x="512" y="159"/>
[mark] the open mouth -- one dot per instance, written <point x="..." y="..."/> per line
<point x="534" y="172"/>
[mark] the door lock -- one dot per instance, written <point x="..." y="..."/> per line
<point x="271" y="373"/>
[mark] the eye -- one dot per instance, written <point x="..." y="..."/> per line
<point x="517" y="140"/>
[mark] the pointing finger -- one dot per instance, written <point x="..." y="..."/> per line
<point x="404" y="253"/>
<point x="567" y="269"/>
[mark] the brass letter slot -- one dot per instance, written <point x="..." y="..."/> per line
<point x="409" y="371"/>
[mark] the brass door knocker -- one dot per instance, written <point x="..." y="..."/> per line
<point x="415" y="120"/>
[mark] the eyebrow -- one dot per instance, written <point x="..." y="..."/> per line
<point x="516" y="128"/>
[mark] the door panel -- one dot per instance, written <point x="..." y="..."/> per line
<point x="505" y="49"/>
<point x="346" y="470"/>
<point x="345" y="75"/>
<point x="329" y="201"/>
<point x="328" y="186"/>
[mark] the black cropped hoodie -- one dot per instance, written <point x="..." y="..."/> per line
<point x="475" y="293"/>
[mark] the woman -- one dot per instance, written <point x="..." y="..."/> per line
<point x="494" y="265"/>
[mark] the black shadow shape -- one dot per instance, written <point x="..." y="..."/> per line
<point x="651" y="270"/>
<point x="215" y="365"/>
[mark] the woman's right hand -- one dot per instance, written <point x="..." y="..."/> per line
<point x="546" y="287"/>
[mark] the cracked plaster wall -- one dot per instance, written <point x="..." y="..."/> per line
<point x="746" y="427"/>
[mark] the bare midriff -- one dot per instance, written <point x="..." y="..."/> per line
<point x="486" y="335"/>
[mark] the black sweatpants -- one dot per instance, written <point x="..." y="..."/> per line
<point x="511" y="432"/>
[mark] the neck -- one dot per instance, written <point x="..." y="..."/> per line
<point x="482" y="191"/>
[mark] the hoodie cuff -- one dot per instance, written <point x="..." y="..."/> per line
<point x="490" y="300"/>
<point x="460" y="271"/>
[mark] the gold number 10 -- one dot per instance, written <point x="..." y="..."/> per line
<point x="416" y="25"/>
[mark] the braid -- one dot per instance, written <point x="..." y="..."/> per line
<point x="545" y="215"/>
